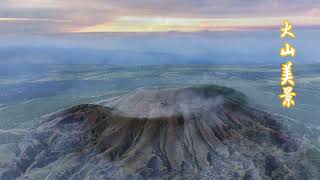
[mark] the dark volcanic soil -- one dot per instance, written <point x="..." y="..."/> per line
<point x="206" y="132"/>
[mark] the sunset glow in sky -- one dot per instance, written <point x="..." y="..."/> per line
<point x="58" y="16"/>
<point x="159" y="24"/>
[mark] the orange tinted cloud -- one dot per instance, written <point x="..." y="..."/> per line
<point x="161" y="24"/>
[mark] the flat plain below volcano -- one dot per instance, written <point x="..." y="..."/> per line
<point x="202" y="132"/>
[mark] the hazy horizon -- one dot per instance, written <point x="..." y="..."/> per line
<point x="226" y="47"/>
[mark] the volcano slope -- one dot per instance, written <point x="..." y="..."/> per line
<point x="206" y="132"/>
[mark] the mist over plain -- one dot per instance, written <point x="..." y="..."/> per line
<point x="18" y="52"/>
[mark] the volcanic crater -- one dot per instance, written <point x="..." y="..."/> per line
<point x="202" y="132"/>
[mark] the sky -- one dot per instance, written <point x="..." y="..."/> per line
<point x="80" y="16"/>
<point x="218" y="31"/>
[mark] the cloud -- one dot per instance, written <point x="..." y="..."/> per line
<point x="30" y="19"/>
<point x="314" y="12"/>
<point x="96" y="12"/>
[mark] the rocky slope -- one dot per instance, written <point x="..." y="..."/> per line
<point x="206" y="132"/>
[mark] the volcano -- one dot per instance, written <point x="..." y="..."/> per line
<point x="202" y="132"/>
